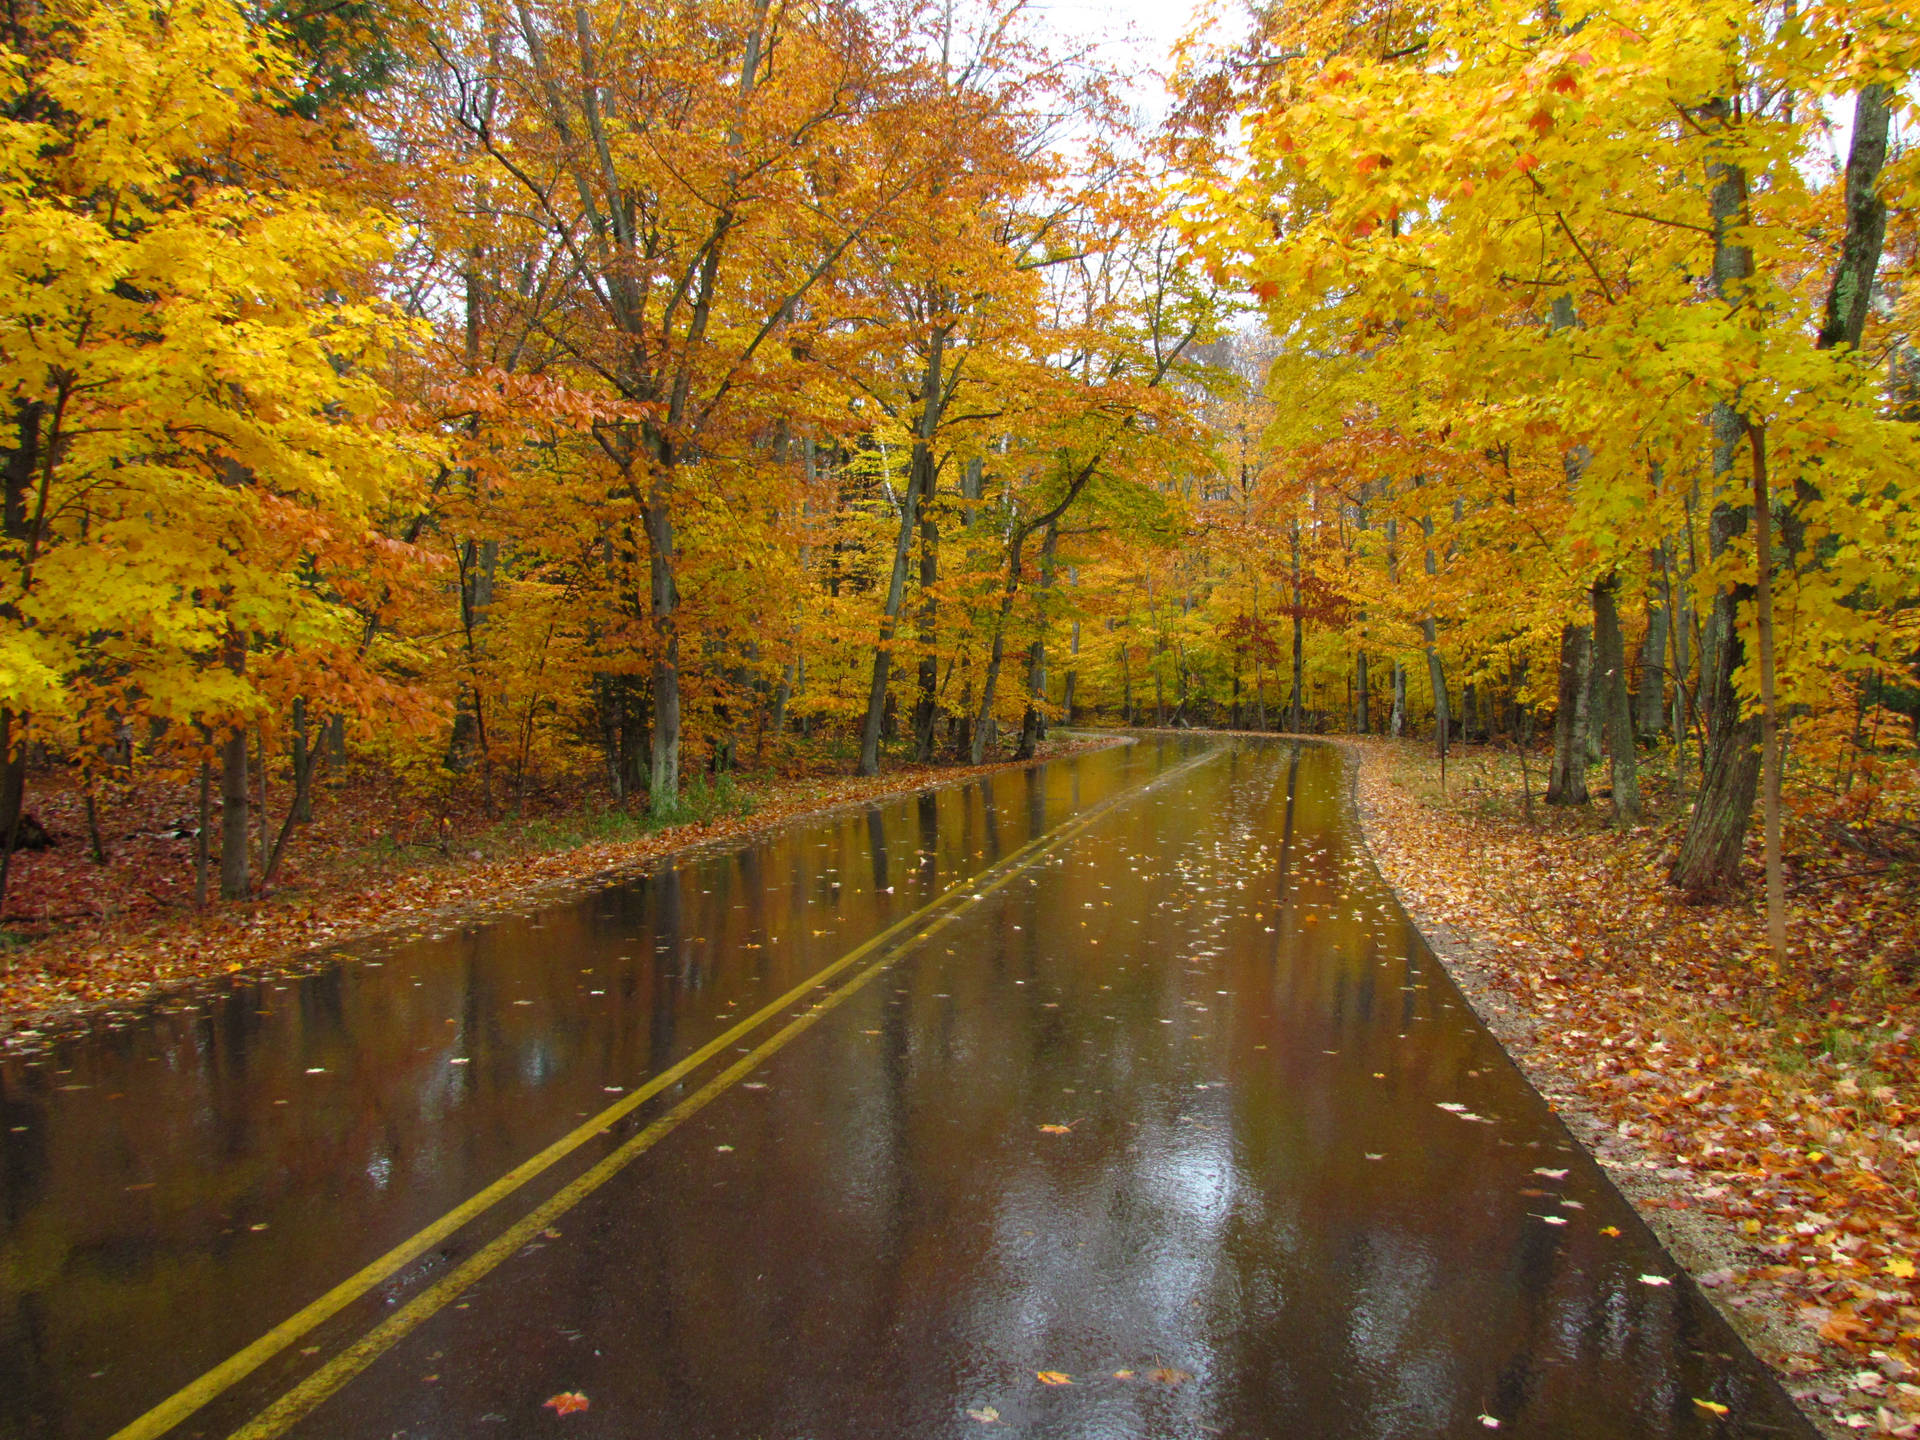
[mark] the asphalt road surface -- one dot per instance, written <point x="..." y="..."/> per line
<point x="1111" y="1099"/>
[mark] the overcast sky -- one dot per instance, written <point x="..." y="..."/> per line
<point x="1135" y="35"/>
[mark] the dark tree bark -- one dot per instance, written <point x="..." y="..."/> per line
<point x="1567" y="777"/>
<point x="920" y="479"/>
<point x="1708" y="864"/>
<point x="1650" y="707"/>
<point x="1610" y="661"/>
<point x="235" y="805"/>
<point x="926" y="709"/>
<point x="1851" y="292"/>
<point x="1033" y="724"/>
<point x="1296" y="698"/>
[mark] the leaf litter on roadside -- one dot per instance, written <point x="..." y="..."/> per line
<point x="1784" y="1111"/>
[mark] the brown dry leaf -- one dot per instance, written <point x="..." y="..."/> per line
<point x="1167" y="1375"/>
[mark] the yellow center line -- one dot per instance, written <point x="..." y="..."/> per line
<point x="323" y="1382"/>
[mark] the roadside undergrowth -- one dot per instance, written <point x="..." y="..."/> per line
<point x="1764" y="1122"/>
<point x="82" y="937"/>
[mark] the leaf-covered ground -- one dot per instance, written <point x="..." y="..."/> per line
<point x="375" y="860"/>
<point x="1765" y="1124"/>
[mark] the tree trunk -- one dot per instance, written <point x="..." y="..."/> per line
<point x="1708" y="865"/>
<point x="1611" y="663"/>
<point x="663" y="768"/>
<point x="201" y="838"/>
<point x="1845" y="316"/>
<point x="919" y="484"/>
<point x="1437" y="678"/>
<point x="1436" y="672"/>
<point x="1066" y="689"/>
<point x="926" y="709"/>
<point x="1567" y="778"/>
<point x="1033" y="724"/>
<point x="235" y="794"/>
<point x="302" y="765"/>
<point x="1769" y="718"/>
<point x="1397" y="718"/>
<point x="1361" y="699"/>
<point x="1651" y="707"/>
<point x="1299" y="663"/>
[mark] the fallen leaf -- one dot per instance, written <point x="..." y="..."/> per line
<point x="986" y="1414"/>
<point x="1167" y="1375"/>
<point x="1901" y="1269"/>
<point x="1489" y="1422"/>
<point x="1123" y="1374"/>
<point x="1056" y="1129"/>
<point x="1655" y="1280"/>
<point x="1712" y="1407"/>
<point x="1053" y="1377"/>
<point x="1611" y="1231"/>
<point x="566" y="1402"/>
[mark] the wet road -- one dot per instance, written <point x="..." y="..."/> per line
<point x="1126" y="1070"/>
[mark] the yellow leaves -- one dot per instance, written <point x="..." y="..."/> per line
<point x="1712" y="1407"/>
<point x="1053" y="1377"/>
<point x="1900" y="1268"/>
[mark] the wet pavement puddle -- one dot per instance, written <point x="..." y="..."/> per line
<point x="1128" y="1109"/>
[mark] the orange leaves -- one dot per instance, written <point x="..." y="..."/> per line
<point x="1053" y="1377"/>
<point x="1780" y="1121"/>
<point x="567" y="1402"/>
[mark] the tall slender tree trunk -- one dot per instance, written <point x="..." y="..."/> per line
<point x="1611" y="661"/>
<point x="1033" y="723"/>
<point x="1295" y="700"/>
<point x="1067" y="686"/>
<point x="1436" y="672"/>
<point x="926" y="709"/>
<point x="1397" y="717"/>
<point x="1708" y="864"/>
<point x="1567" y="777"/>
<point x="919" y="486"/>
<point x="1769" y="716"/>
<point x="663" y="768"/>
<point x="1361" y="699"/>
<point x="1651" y="700"/>
<point x="235" y="798"/>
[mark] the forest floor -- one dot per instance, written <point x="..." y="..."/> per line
<point x="82" y="937"/>
<point x="1767" y="1125"/>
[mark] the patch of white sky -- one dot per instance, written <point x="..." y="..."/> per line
<point x="1135" y="38"/>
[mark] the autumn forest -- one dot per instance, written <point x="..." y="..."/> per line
<point x="510" y="399"/>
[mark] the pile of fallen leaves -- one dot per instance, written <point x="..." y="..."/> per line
<point x="1763" y="1121"/>
<point x="89" y="936"/>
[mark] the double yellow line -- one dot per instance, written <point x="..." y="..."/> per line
<point x="291" y="1407"/>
